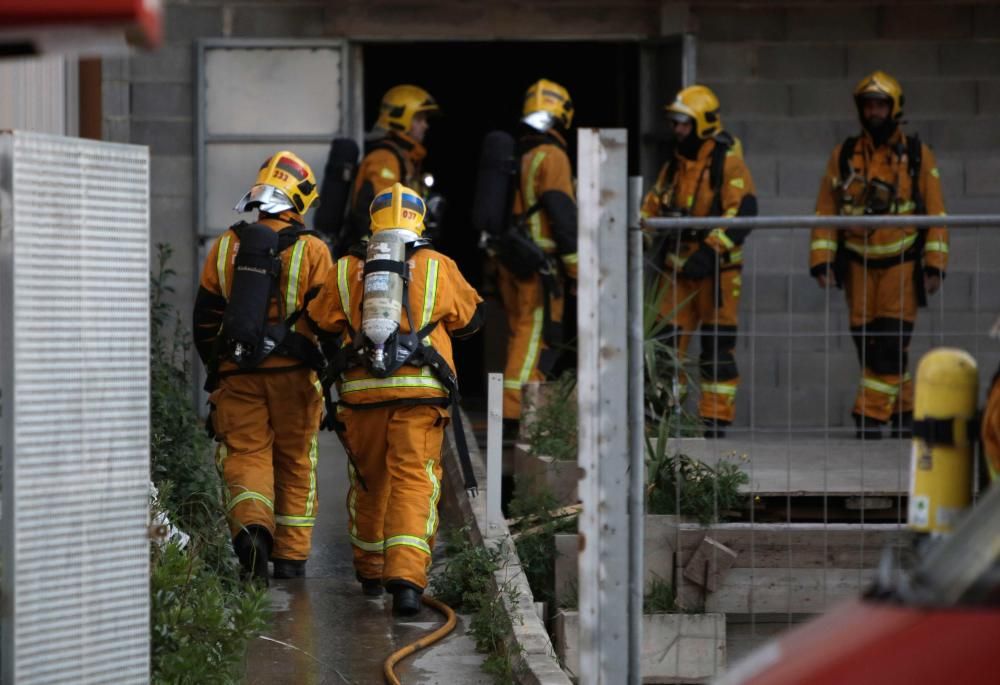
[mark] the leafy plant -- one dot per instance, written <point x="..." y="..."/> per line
<point x="667" y="378"/>
<point x="465" y="584"/>
<point x="536" y="544"/>
<point x="681" y="485"/>
<point x="202" y="615"/>
<point x="552" y="430"/>
<point x="660" y="598"/>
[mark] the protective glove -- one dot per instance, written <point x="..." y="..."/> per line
<point x="702" y="263"/>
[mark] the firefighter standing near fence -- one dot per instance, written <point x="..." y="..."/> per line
<point x="886" y="273"/>
<point x="262" y="362"/>
<point x="545" y="211"/>
<point x="394" y="153"/>
<point x="386" y="323"/>
<point x="704" y="176"/>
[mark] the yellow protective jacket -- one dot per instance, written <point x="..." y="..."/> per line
<point x="437" y="293"/>
<point x="547" y="186"/>
<point x="685" y="186"/>
<point x="888" y="163"/>
<point x="304" y="268"/>
<point x="380" y="168"/>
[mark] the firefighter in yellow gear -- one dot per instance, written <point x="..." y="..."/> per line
<point x="265" y="395"/>
<point x="394" y="154"/>
<point x="391" y="418"/>
<point x="886" y="273"/>
<point x="705" y="176"/>
<point x="545" y="207"/>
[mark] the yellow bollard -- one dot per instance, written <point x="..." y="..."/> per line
<point x="942" y="459"/>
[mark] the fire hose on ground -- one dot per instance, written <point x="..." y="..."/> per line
<point x="426" y="641"/>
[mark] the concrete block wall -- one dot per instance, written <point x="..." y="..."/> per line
<point x="784" y="75"/>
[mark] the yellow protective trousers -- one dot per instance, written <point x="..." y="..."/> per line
<point x="395" y="487"/>
<point x="266" y="425"/>
<point x="690" y="303"/>
<point x="524" y="303"/>
<point x="883" y="309"/>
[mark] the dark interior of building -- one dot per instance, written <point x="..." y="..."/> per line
<point x="602" y="79"/>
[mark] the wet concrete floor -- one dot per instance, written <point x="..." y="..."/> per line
<point x="324" y="631"/>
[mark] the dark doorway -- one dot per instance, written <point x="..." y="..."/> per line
<point x="602" y="78"/>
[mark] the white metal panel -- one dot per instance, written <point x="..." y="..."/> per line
<point x="74" y="301"/>
<point x="33" y="94"/>
<point x="232" y="168"/>
<point x="259" y="90"/>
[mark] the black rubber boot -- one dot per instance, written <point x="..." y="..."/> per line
<point x="253" y="549"/>
<point x="405" y="598"/>
<point x="371" y="587"/>
<point x="289" y="568"/>
<point x="901" y="425"/>
<point x="867" y="428"/>
<point x="715" y="428"/>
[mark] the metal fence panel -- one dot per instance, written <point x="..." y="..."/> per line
<point x="74" y="338"/>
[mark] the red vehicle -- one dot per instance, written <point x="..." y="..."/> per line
<point x="937" y="624"/>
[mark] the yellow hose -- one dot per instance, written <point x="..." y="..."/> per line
<point x="426" y="641"/>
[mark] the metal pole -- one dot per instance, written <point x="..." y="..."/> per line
<point x="813" y="221"/>
<point x="636" y="431"/>
<point x="494" y="454"/>
<point x="603" y="406"/>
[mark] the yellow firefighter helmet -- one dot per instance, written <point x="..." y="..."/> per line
<point x="284" y="182"/>
<point x="699" y="105"/>
<point x="400" y="104"/>
<point x="398" y="208"/>
<point x="546" y="104"/>
<point x="879" y="84"/>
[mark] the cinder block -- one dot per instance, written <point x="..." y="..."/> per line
<point x="819" y="370"/>
<point x="934" y="22"/>
<point x="799" y="331"/>
<point x="800" y="176"/>
<point x="752" y="99"/>
<point x="172" y="176"/>
<point x="116" y="129"/>
<point x="764" y="170"/>
<point x="774" y="251"/>
<point x="739" y="24"/>
<point x="808" y="297"/>
<point x="784" y="206"/>
<point x="978" y="136"/>
<point x="169" y="64"/>
<point x="114" y="98"/>
<point x="941" y="97"/>
<point x="302" y="21"/>
<point x="801" y="61"/>
<point x="902" y="60"/>
<point x="822" y="98"/>
<point x="982" y="176"/>
<point x="184" y="23"/>
<point x="970" y="249"/>
<point x="814" y="138"/>
<point x="986" y="21"/>
<point x="725" y="61"/>
<point x="962" y="204"/>
<point x="956" y="292"/>
<point x="155" y="100"/>
<point x="164" y="137"/>
<point x="989" y="97"/>
<point x="970" y="58"/>
<point x="951" y="169"/>
<point x="824" y="24"/>
<point x="114" y="69"/>
<point x="803" y="408"/>
<point x="758" y="366"/>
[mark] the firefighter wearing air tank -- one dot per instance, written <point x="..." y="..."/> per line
<point x="386" y="323"/>
<point x="394" y="153"/>
<point x="886" y="273"/>
<point x="705" y="176"/>
<point x="262" y="361"/>
<point x="544" y="210"/>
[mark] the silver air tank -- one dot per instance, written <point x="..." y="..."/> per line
<point x="383" y="299"/>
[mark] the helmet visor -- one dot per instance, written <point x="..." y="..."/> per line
<point x="265" y="198"/>
<point x="541" y="120"/>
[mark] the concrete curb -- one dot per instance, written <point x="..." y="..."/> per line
<point x="534" y="657"/>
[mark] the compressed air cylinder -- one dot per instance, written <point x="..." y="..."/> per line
<point x="383" y="300"/>
<point x="941" y="459"/>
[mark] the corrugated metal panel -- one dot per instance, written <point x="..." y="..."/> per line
<point x="75" y="271"/>
<point x="34" y="94"/>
